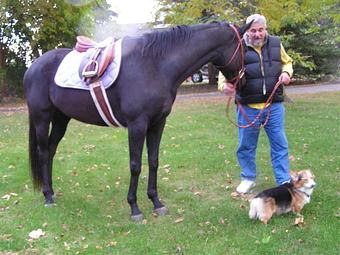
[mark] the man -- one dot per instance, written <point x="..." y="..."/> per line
<point x="266" y="63"/>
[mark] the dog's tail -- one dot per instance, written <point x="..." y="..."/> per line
<point x="255" y="206"/>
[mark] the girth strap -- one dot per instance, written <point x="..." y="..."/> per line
<point x="101" y="101"/>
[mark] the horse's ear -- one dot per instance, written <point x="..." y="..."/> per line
<point x="244" y="28"/>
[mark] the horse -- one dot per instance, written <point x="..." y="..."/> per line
<point x="153" y="66"/>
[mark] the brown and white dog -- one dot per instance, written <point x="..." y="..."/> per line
<point x="285" y="198"/>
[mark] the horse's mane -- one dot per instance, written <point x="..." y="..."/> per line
<point x="161" y="41"/>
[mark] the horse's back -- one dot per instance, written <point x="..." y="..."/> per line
<point x="40" y="75"/>
<point x="44" y="66"/>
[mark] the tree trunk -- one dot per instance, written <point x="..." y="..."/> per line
<point x="3" y="81"/>
<point x="212" y="72"/>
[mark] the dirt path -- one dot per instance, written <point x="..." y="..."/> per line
<point x="299" y="89"/>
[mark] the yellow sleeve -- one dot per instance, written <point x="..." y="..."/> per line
<point x="221" y="80"/>
<point x="287" y="62"/>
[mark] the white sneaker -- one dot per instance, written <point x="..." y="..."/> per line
<point x="245" y="186"/>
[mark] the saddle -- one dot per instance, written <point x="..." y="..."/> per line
<point x="100" y="56"/>
<point x="95" y="62"/>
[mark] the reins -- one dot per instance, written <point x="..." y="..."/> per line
<point x="268" y="104"/>
<point x="236" y="80"/>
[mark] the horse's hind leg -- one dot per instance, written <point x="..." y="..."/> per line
<point x="59" y="125"/>
<point x="153" y="139"/>
<point x="39" y="153"/>
<point x="137" y="132"/>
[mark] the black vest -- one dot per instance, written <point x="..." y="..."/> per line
<point x="251" y="89"/>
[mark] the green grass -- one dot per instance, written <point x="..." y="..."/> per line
<point x="91" y="177"/>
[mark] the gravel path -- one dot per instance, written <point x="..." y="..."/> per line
<point x="299" y="89"/>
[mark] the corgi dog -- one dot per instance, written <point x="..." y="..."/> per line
<point x="284" y="198"/>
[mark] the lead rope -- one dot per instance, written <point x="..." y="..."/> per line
<point x="252" y="123"/>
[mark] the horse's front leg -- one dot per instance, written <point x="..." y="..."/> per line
<point x="153" y="138"/>
<point x="136" y="133"/>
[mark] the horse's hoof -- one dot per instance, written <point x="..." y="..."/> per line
<point x="137" y="218"/>
<point x="50" y="203"/>
<point x="161" y="211"/>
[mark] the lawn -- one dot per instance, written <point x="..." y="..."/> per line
<point x="197" y="174"/>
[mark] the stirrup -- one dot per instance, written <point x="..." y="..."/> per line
<point x="90" y="73"/>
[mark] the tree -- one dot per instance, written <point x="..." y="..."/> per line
<point x="200" y="11"/>
<point x="29" y="28"/>
<point x="310" y="30"/>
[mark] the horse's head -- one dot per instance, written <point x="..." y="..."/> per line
<point x="231" y="61"/>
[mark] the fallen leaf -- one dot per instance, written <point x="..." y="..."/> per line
<point x="112" y="244"/>
<point x="234" y="195"/>
<point x="35" y="234"/>
<point x="299" y="221"/>
<point x="6" y="197"/>
<point x="6" y="237"/>
<point x="178" y="220"/>
<point x="221" y="146"/>
<point x="292" y="158"/>
<point x="67" y="246"/>
<point x="221" y="221"/>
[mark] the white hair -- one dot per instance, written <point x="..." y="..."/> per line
<point x="257" y="18"/>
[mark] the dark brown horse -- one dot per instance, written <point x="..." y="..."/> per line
<point x="153" y="67"/>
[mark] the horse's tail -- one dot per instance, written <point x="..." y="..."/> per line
<point x="36" y="174"/>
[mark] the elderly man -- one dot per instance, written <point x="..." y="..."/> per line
<point x="266" y="62"/>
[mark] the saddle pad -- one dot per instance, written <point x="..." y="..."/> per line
<point x="67" y="75"/>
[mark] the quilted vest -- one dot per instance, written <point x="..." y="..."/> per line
<point x="257" y="87"/>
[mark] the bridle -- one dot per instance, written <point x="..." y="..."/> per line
<point x="236" y="80"/>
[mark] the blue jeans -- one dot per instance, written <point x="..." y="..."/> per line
<point x="248" y="138"/>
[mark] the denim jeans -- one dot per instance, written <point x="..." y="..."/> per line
<point x="248" y="138"/>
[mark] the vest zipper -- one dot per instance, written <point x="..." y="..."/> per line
<point x="264" y="86"/>
<point x="264" y="90"/>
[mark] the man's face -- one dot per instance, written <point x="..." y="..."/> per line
<point x="257" y="34"/>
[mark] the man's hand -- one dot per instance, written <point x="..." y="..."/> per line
<point x="228" y="89"/>
<point x="284" y="78"/>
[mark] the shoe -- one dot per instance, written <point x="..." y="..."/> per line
<point x="245" y="186"/>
